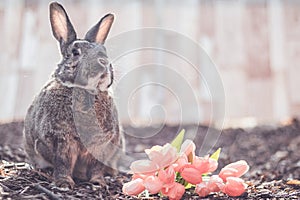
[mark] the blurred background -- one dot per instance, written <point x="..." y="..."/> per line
<point x="253" y="44"/>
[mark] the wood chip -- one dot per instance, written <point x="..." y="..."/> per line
<point x="294" y="182"/>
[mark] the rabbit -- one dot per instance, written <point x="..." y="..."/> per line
<point x="72" y="125"/>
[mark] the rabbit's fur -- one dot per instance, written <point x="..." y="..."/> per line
<point x="74" y="113"/>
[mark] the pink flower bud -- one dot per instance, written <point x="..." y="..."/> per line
<point x="133" y="187"/>
<point x="236" y="169"/>
<point x="234" y="186"/>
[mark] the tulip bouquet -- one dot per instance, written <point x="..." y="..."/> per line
<point x="173" y="168"/>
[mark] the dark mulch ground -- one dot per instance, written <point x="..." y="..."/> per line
<point x="272" y="153"/>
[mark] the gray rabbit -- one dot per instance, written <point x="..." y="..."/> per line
<point x="72" y="125"/>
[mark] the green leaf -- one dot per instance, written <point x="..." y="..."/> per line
<point x="188" y="186"/>
<point x="177" y="141"/>
<point x="216" y="154"/>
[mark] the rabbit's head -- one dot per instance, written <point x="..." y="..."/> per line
<point x="84" y="61"/>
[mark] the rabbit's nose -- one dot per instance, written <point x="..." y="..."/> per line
<point x="102" y="61"/>
<point x="99" y="67"/>
<point x="102" y="64"/>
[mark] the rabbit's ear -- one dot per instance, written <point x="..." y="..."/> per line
<point x="99" y="32"/>
<point x="62" y="28"/>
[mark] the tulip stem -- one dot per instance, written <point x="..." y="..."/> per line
<point x="146" y="193"/>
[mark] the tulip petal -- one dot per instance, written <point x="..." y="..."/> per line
<point x="167" y="176"/>
<point x="154" y="155"/>
<point x="205" y="165"/>
<point x="169" y="154"/>
<point x="174" y="191"/>
<point x="153" y="184"/>
<point x="180" y="163"/>
<point x="202" y="189"/>
<point x="215" y="183"/>
<point x="133" y="187"/>
<point x="188" y="148"/>
<point x="191" y="174"/>
<point x="227" y="172"/>
<point x="163" y="156"/>
<point x="143" y="166"/>
<point x="236" y="169"/>
<point x="234" y="186"/>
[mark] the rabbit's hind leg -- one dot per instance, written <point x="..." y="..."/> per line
<point x="88" y="168"/>
<point x="96" y="172"/>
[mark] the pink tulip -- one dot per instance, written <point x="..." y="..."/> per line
<point x="160" y="157"/>
<point x="174" y="192"/>
<point x="205" y="165"/>
<point x="133" y="187"/>
<point x="142" y="176"/>
<point x="236" y="169"/>
<point x="215" y="183"/>
<point x="144" y="167"/>
<point x="188" y="148"/>
<point x="180" y="163"/>
<point x="163" y="156"/>
<point x="202" y="189"/>
<point x="167" y="176"/>
<point x="234" y="186"/>
<point x="153" y="184"/>
<point x="191" y="174"/>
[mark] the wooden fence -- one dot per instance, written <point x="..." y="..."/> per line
<point x="254" y="44"/>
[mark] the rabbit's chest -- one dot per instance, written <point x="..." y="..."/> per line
<point x="105" y="112"/>
<point x="91" y="117"/>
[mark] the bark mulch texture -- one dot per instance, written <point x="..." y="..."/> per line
<point x="273" y="154"/>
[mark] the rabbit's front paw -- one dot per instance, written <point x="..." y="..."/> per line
<point x="98" y="180"/>
<point x="65" y="182"/>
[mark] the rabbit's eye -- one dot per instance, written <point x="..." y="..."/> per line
<point x="73" y="67"/>
<point x="75" y="52"/>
